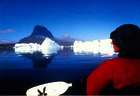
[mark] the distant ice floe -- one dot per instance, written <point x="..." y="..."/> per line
<point x="103" y="47"/>
<point x="47" y="47"/>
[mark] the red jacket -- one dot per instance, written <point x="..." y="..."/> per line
<point x="119" y="72"/>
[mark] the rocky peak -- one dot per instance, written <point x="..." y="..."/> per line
<point x="40" y="30"/>
<point x="38" y="35"/>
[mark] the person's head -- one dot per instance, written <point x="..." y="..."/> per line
<point x="126" y="40"/>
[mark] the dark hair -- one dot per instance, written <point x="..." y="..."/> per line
<point x="127" y="38"/>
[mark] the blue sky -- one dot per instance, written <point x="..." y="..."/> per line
<point x="82" y="19"/>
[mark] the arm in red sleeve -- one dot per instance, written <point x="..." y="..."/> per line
<point x="99" y="79"/>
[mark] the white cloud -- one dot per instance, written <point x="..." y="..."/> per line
<point x="7" y="30"/>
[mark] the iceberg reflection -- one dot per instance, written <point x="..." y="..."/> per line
<point x="38" y="60"/>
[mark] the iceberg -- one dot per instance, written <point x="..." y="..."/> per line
<point x="103" y="47"/>
<point x="85" y="46"/>
<point x="26" y="48"/>
<point x="46" y="48"/>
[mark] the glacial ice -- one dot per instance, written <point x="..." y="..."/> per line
<point x="103" y="47"/>
<point x="26" y="47"/>
<point x="46" y="48"/>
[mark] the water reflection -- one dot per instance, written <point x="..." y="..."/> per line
<point x="35" y="69"/>
<point x="66" y="51"/>
<point x="39" y="61"/>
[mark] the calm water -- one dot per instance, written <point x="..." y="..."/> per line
<point x="20" y="72"/>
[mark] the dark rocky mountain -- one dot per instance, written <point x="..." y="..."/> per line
<point x="65" y="41"/>
<point x="38" y="35"/>
<point x="6" y="45"/>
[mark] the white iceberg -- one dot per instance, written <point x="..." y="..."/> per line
<point x="26" y="48"/>
<point x="50" y="89"/>
<point x="85" y="46"/>
<point x="47" y="47"/>
<point x="103" y="47"/>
